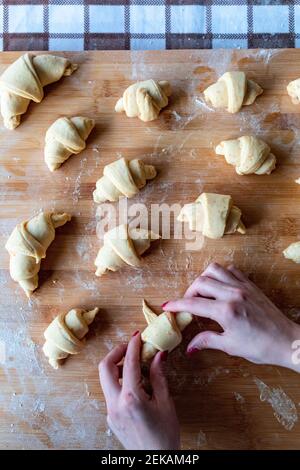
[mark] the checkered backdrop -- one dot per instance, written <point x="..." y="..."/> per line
<point x="148" y="24"/>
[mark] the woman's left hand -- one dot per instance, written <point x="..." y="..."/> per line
<point x="139" y="421"/>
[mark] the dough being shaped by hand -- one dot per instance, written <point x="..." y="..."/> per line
<point x="65" y="334"/>
<point x="248" y="154"/>
<point x="24" y="80"/>
<point x="292" y="252"/>
<point x="144" y="99"/>
<point x="232" y="91"/>
<point x="163" y="332"/>
<point x="27" y="246"/>
<point x="65" y="137"/>
<point x="293" y="90"/>
<point x="212" y="214"/>
<point x="122" y="178"/>
<point x="123" y="246"/>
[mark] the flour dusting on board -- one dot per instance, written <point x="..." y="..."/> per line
<point x="283" y="407"/>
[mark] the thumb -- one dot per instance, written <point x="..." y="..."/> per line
<point x="207" y="340"/>
<point x="157" y="376"/>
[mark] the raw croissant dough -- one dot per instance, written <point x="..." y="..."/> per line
<point x="122" y="178"/>
<point x="248" y="154"/>
<point x="163" y="332"/>
<point x="24" y="80"/>
<point x="65" y="334"/>
<point x="232" y="91"/>
<point x="65" y="137"/>
<point x="292" y="252"/>
<point x="122" y="246"/>
<point x="293" y="90"/>
<point x="28" y="244"/>
<point x="144" y="99"/>
<point x="212" y="214"/>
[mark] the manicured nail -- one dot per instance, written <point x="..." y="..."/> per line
<point x="164" y="355"/>
<point x="135" y="333"/>
<point x="192" y="351"/>
<point x="164" y="304"/>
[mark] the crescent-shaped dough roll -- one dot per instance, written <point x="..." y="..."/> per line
<point x="24" y="80"/>
<point x="27" y="246"/>
<point x="232" y="91"/>
<point x="293" y="90"/>
<point x="144" y="99"/>
<point x="292" y="252"/>
<point x="212" y="214"/>
<point x="123" y="246"/>
<point x="122" y="178"/>
<point x="65" y="137"/>
<point x="65" y="334"/>
<point x="163" y="332"/>
<point x="248" y="154"/>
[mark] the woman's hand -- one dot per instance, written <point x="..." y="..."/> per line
<point x="139" y="421"/>
<point x="253" y="326"/>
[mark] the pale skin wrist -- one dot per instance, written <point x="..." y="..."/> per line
<point x="290" y="351"/>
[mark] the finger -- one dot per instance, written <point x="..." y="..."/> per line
<point x="217" y="272"/>
<point x="212" y="289"/>
<point x="132" y="376"/>
<point x="157" y="377"/>
<point x="237" y="273"/>
<point x="206" y="340"/>
<point x="207" y="308"/>
<point x="109" y="372"/>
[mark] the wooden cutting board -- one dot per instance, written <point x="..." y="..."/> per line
<point x="223" y="402"/>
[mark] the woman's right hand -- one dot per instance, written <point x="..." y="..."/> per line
<point x="254" y="328"/>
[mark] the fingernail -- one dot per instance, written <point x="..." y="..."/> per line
<point x="164" y="355"/>
<point x="135" y="333"/>
<point x="164" y="304"/>
<point x="192" y="351"/>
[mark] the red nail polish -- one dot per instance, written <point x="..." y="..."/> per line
<point x="164" y="355"/>
<point x="164" y="304"/>
<point x="192" y="351"/>
<point x="135" y="333"/>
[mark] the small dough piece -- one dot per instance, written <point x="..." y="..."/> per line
<point x="292" y="252"/>
<point x="123" y="246"/>
<point x="24" y="80"/>
<point x="163" y="332"/>
<point x="122" y="178"/>
<point x="65" y="137"/>
<point x="144" y="99"/>
<point x="27" y="246"/>
<point x="212" y="214"/>
<point x="65" y="334"/>
<point x="232" y="91"/>
<point x="248" y="154"/>
<point x="293" y="90"/>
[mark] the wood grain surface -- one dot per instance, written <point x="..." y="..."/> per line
<point x="223" y="402"/>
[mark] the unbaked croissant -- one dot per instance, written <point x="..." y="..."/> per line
<point x="24" y="80"/>
<point x="293" y="90"/>
<point x="27" y="246"/>
<point x="163" y="332"/>
<point x="122" y="178"/>
<point x="144" y="99"/>
<point x="65" y="137"/>
<point x="248" y="154"/>
<point x="123" y="246"/>
<point x="292" y="252"/>
<point x="212" y="214"/>
<point x="65" y="334"/>
<point x="232" y="91"/>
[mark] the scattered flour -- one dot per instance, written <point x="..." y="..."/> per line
<point x="283" y="407"/>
